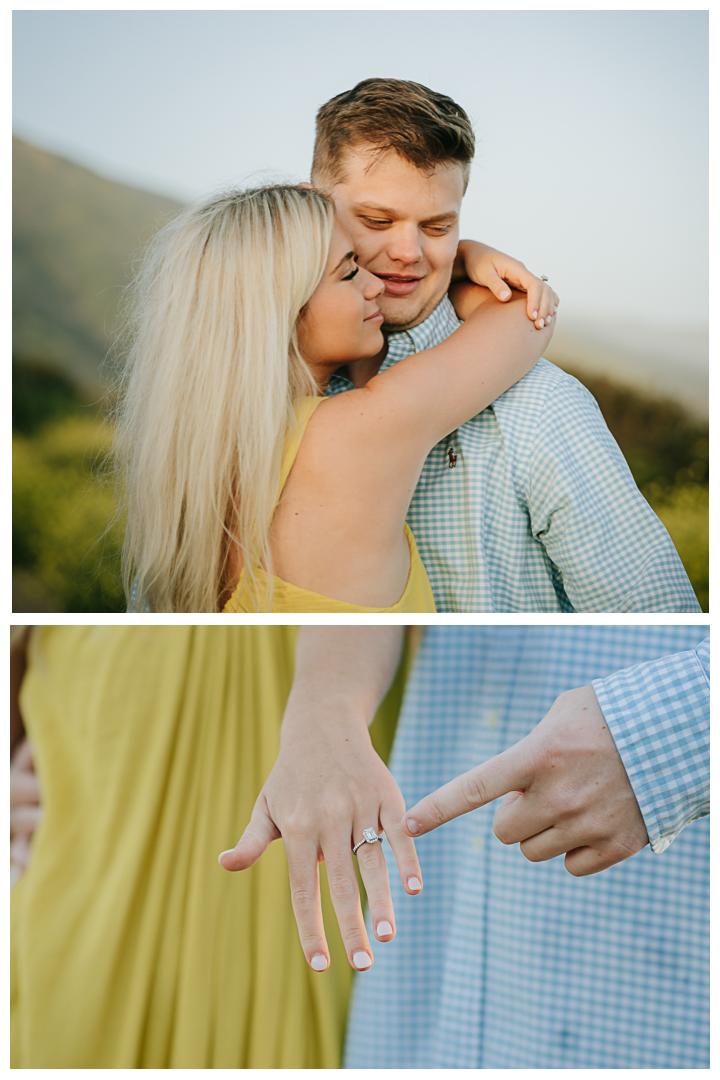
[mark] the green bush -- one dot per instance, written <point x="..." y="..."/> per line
<point x="61" y="509"/>
<point x="684" y="511"/>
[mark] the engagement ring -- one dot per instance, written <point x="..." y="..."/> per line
<point x="369" y="837"/>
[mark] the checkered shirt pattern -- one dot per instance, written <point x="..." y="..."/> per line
<point x="658" y="716"/>
<point x="541" y="512"/>
<point x="502" y="963"/>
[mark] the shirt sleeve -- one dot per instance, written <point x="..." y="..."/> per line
<point x="613" y="552"/>
<point x="659" y="716"/>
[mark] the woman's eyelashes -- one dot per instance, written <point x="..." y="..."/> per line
<point x="351" y="275"/>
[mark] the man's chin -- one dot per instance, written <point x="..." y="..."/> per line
<point x="403" y="313"/>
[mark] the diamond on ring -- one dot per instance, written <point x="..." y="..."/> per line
<point x="543" y="278"/>
<point x="369" y="837"/>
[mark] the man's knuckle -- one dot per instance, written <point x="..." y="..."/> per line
<point x="531" y="854"/>
<point x="502" y="832"/>
<point x="473" y="790"/>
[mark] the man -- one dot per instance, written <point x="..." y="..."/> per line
<point x="530" y="506"/>
<point x="505" y="964"/>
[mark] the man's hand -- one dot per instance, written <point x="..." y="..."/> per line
<point x="566" y="792"/>
<point x="25" y="812"/>
<point x="495" y="270"/>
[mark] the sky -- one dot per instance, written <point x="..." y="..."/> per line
<point x="592" y="126"/>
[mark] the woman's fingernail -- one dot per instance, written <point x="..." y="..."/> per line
<point x="414" y="883"/>
<point x="225" y="853"/>
<point x="542" y="323"/>
<point x="548" y="318"/>
<point x="383" y="928"/>
<point x="318" y="963"/>
<point x="504" y="295"/>
<point x="361" y="960"/>
<point x="413" y="825"/>
<point x="534" y="314"/>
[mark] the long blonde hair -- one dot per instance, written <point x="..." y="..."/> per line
<point x="211" y="373"/>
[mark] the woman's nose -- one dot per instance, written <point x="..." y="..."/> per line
<point x="373" y="287"/>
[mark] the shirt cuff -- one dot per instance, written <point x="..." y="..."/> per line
<point x="659" y="716"/>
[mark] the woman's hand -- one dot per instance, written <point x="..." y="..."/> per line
<point x="320" y="796"/>
<point x="328" y="785"/>
<point x="322" y="793"/>
<point x="25" y="811"/>
<point x="495" y="270"/>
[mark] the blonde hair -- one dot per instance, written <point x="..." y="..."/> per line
<point x="210" y="379"/>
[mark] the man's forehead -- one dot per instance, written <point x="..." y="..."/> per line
<point x="365" y="162"/>
<point x="383" y="181"/>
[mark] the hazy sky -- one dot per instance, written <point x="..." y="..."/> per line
<point x="592" y="126"/>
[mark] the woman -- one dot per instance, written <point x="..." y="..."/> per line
<point x="242" y="493"/>
<point x="130" y="946"/>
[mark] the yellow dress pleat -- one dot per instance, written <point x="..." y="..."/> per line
<point x="131" y="947"/>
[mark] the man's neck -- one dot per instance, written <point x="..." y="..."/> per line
<point x="360" y="372"/>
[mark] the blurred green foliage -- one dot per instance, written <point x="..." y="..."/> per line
<point x="40" y="394"/>
<point x="667" y="450"/>
<point x="63" y="557"/>
<point x="65" y="560"/>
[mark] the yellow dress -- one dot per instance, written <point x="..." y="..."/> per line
<point x="417" y="596"/>
<point x="131" y="947"/>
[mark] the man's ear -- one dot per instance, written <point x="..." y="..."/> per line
<point x="305" y="184"/>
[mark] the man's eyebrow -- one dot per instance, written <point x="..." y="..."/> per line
<point x="350" y="255"/>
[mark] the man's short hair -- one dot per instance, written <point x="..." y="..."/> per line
<point x="426" y="128"/>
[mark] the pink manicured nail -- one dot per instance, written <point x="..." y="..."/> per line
<point x="229" y="850"/>
<point x="504" y="295"/>
<point x="534" y="314"/>
<point x="414" y="883"/>
<point x="383" y="928"/>
<point x="318" y="963"/>
<point x="361" y="960"/>
<point x="412" y="825"/>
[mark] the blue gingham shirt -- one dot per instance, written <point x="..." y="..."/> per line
<point x="502" y="963"/>
<point x="541" y="512"/>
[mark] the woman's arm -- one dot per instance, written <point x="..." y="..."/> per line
<point x="432" y="393"/>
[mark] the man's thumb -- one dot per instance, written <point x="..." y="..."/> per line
<point x="481" y="785"/>
<point x="256" y="839"/>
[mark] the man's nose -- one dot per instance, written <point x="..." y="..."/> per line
<point x="404" y="244"/>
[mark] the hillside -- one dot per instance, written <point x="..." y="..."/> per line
<point x="74" y="234"/>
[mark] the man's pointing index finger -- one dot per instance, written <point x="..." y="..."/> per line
<point x="508" y="771"/>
